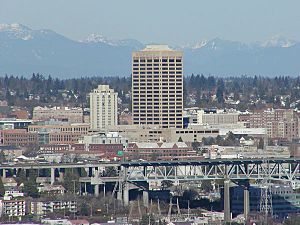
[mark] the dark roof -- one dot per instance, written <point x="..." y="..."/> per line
<point x="9" y="148"/>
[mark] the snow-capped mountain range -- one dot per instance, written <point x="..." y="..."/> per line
<point x="24" y="51"/>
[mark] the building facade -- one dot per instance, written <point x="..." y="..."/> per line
<point x="157" y="86"/>
<point x="103" y="107"/>
<point x="18" y="137"/>
<point x="280" y="123"/>
<point x="152" y="133"/>
<point x="160" y="151"/>
<point x="12" y="206"/>
<point x="44" y="207"/>
<point x="66" y="114"/>
<point x="218" y="117"/>
<point x="104" y="138"/>
<point x="81" y="128"/>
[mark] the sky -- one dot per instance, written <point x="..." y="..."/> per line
<point x="175" y="22"/>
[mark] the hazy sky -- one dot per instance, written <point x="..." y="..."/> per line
<point x="161" y="21"/>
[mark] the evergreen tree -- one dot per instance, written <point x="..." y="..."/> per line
<point x="30" y="188"/>
<point x="147" y="219"/>
<point x="261" y="144"/>
<point x="2" y="190"/>
<point x="71" y="183"/>
<point x="2" y="157"/>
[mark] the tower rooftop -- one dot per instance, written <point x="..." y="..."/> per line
<point x="157" y="48"/>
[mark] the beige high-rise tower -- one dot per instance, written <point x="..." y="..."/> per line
<point x="157" y="86"/>
<point x="103" y="107"/>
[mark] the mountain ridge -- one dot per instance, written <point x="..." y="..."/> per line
<point x="24" y="51"/>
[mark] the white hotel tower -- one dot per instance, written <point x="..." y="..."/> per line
<point x="103" y="107"/>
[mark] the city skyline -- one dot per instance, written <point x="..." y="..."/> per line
<point x="257" y="21"/>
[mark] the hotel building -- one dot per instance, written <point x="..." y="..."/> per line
<point x="104" y="107"/>
<point x="157" y="87"/>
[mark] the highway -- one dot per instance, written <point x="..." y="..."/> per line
<point x="203" y="162"/>
<point x="211" y="162"/>
<point x="56" y="165"/>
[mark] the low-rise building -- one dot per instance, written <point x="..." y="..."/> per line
<point x="244" y="152"/>
<point x="104" y="138"/>
<point x="18" y="137"/>
<point x="9" y="183"/>
<point x="279" y="123"/>
<point x="12" y="123"/>
<point x="81" y="128"/>
<point x="160" y="151"/>
<point x="52" y="190"/>
<point x="13" y="207"/>
<point x="11" y="152"/>
<point x="152" y="133"/>
<point x="215" y="116"/>
<point x="44" y="207"/>
<point x="14" y="192"/>
<point x="65" y="114"/>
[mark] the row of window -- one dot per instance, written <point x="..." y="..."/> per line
<point x="158" y="72"/>
<point x="143" y="79"/>
<point x="157" y="96"/>
<point x="153" y="92"/>
<point x="136" y="60"/>
<point x="197" y="132"/>
<point x="156" y="64"/>
<point x="139" y="115"/>
<point x="156" y="68"/>
<point x="156" y="84"/>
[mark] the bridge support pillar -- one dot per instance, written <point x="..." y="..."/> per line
<point x="126" y="194"/>
<point x="52" y="176"/>
<point x="227" y="214"/>
<point x="246" y="203"/>
<point x="4" y="173"/>
<point x="119" y="195"/>
<point x="61" y="176"/>
<point x="146" y="198"/>
<point x="96" y="190"/>
<point x="104" y="190"/>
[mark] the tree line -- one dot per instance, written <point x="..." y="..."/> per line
<point x="199" y="90"/>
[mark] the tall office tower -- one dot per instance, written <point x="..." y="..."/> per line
<point x="103" y="107"/>
<point x="157" y="86"/>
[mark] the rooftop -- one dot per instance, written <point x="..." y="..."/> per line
<point x="157" y="48"/>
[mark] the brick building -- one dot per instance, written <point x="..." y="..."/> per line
<point x="280" y="123"/>
<point x="18" y="137"/>
<point x="160" y="151"/>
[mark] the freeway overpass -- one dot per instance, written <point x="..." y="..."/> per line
<point x="271" y="169"/>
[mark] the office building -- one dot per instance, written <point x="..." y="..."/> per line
<point x="157" y="87"/>
<point x="103" y="107"/>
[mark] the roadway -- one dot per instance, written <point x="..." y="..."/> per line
<point x="205" y="162"/>
<point x="202" y="162"/>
